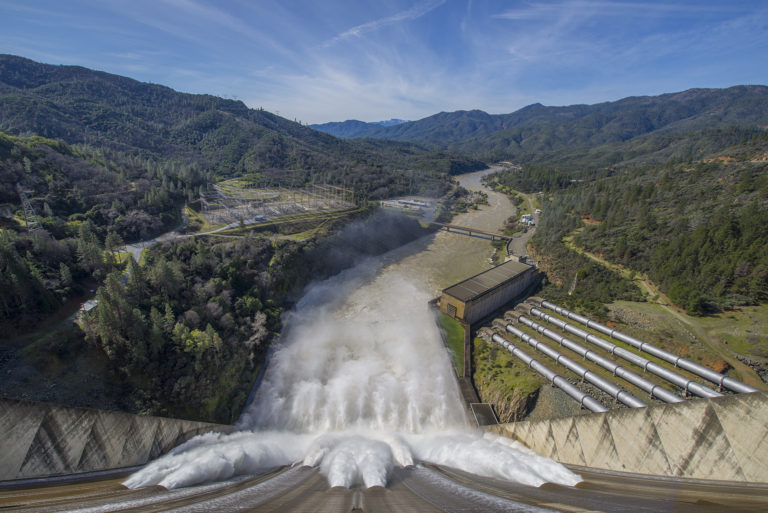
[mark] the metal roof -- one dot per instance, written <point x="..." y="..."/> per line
<point x="477" y="285"/>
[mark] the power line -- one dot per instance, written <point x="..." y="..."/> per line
<point x="33" y="223"/>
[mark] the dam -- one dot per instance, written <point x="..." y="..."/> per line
<point x="41" y="439"/>
<point x="361" y="395"/>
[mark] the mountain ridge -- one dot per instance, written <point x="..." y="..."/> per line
<point x="349" y="128"/>
<point x="81" y="106"/>
<point x="520" y="132"/>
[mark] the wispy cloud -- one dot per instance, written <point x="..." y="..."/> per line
<point x="465" y="18"/>
<point x="609" y="8"/>
<point x="215" y="15"/>
<point x="384" y="87"/>
<point x="201" y="23"/>
<point x="601" y="28"/>
<point x="413" y="13"/>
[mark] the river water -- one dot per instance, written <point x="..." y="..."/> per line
<point x="449" y="258"/>
<point x="361" y="382"/>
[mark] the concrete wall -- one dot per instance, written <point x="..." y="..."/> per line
<point x="723" y="438"/>
<point x="41" y="439"/>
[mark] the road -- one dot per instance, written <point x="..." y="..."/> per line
<point x="136" y="248"/>
<point x="519" y="244"/>
<point x="419" y="489"/>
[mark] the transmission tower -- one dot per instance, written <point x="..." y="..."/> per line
<point x="29" y="213"/>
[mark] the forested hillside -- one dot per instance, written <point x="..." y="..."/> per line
<point x="81" y="106"/>
<point x="87" y="205"/>
<point x="697" y="227"/>
<point x="353" y="128"/>
<point x="442" y="129"/>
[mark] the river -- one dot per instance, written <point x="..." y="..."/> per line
<point x="448" y="258"/>
<point x="361" y="382"/>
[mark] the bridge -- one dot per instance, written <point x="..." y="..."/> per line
<point x="471" y="232"/>
<point x="474" y="232"/>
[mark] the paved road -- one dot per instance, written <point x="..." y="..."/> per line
<point x="414" y="489"/>
<point x="519" y="243"/>
<point x="136" y="248"/>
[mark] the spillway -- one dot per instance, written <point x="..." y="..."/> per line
<point x="361" y="385"/>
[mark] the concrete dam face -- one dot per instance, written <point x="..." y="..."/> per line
<point x="722" y="438"/>
<point x="42" y="439"/>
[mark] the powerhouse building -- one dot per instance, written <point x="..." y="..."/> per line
<point x="476" y="297"/>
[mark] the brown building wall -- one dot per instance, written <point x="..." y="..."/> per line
<point x="495" y="299"/>
<point x="476" y="309"/>
<point x="452" y="307"/>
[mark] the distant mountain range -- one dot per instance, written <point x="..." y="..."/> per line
<point x="537" y="128"/>
<point x="353" y="128"/>
<point x="391" y="122"/>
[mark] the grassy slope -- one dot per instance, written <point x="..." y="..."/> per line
<point x="454" y="338"/>
<point x="707" y="340"/>
<point x="504" y="381"/>
<point x="715" y="331"/>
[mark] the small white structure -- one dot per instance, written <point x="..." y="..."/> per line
<point x="89" y="305"/>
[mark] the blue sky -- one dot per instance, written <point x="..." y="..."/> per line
<point x="328" y="60"/>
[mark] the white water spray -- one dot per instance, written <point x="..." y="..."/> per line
<point x="360" y="384"/>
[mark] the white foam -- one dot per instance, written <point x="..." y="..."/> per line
<point x="216" y="457"/>
<point x="473" y="453"/>
<point x="360" y="384"/>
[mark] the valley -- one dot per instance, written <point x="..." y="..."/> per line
<point x="599" y="219"/>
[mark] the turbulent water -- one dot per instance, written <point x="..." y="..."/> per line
<point x="361" y="383"/>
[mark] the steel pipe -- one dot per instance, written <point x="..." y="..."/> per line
<point x="563" y="384"/>
<point x="673" y="377"/>
<point x="717" y="378"/>
<point x="615" y="391"/>
<point x="617" y="370"/>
